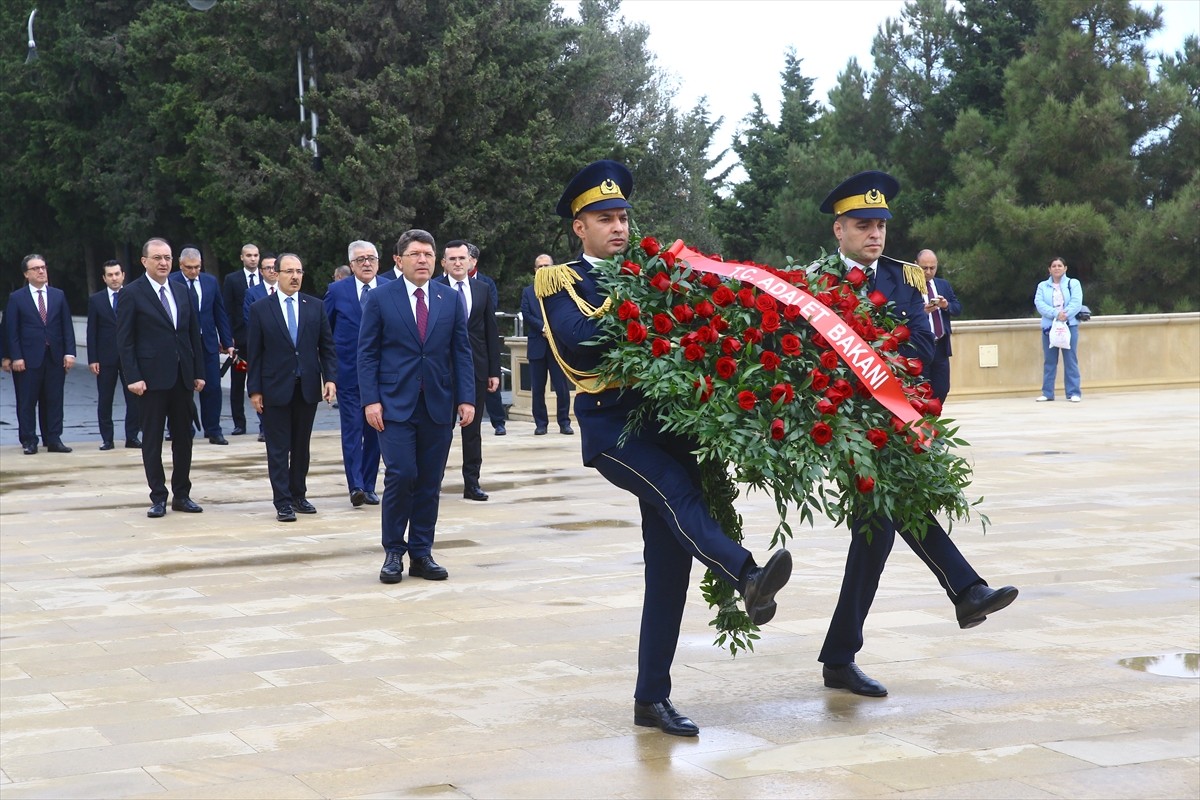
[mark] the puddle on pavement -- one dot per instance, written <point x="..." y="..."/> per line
<point x="591" y="524"/>
<point x="1172" y="665"/>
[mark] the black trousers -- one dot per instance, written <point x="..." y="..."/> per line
<point x="472" y="439"/>
<point x="237" y="398"/>
<point x="539" y="370"/>
<point x="288" y="431"/>
<point x="110" y="377"/>
<point x="40" y="401"/>
<point x="172" y="407"/>
<point x="937" y="371"/>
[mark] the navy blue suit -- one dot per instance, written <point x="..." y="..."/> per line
<point x="42" y="345"/>
<point x="542" y="364"/>
<point x="493" y="400"/>
<point x="420" y="385"/>
<point x="253" y="294"/>
<point x="215" y="335"/>
<point x="937" y="369"/>
<point x="102" y="350"/>
<point x="865" y="561"/>
<point x="360" y="442"/>
<point x="660" y="470"/>
<point x="233" y="293"/>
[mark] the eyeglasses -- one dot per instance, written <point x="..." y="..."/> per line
<point x="269" y="268"/>
<point x="290" y="271"/>
<point x="160" y="258"/>
<point x="362" y="261"/>
<point x="32" y="268"/>
<point x="428" y="255"/>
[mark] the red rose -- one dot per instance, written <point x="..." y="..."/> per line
<point x="693" y="352"/>
<point x="769" y="360"/>
<point x="630" y="268"/>
<point x="826" y="407"/>
<point x="661" y="281"/>
<point x="660" y="347"/>
<point x="820" y="341"/>
<point x="747" y="400"/>
<point x="829" y="360"/>
<point x="691" y="337"/>
<point x="826" y="299"/>
<point x="705" y="309"/>
<point x="901" y="333"/>
<point x="782" y="391"/>
<point x="877" y="437"/>
<point x="746" y="297"/>
<point x="730" y="345"/>
<point x="861" y="389"/>
<point x="683" y="312"/>
<point x="914" y="367"/>
<point x="710" y="280"/>
<point x="719" y="324"/>
<point x="636" y="332"/>
<point x="821" y="433"/>
<point x="898" y="425"/>
<point x="723" y="296"/>
<point x="663" y="323"/>
<point x="770" y="320"/>
<point x="765" y="302"/>
<point x="791" y="313"/>
<point x="650" y="245"/>
<point x="877" y="298"/>
<point x="726" y="367"/>
<point x="752" y="336"/>
<point x="790" y="343"/>
<point x="839" y="391"/>
<point x="864" y="484"/>
<point x="933" y="406"/>
<point x="628" y="310"/>
<point x="890" y="345"/>
<point x="707" y="334"/>
<point x="820" y="381"/>
<point x="707" y="391"/>
<point x="668" y="258"/>
<point x="827" y="280"/>
<point x="855" y="277"/>
<point x="777" y="431"/>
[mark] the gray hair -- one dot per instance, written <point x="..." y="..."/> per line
<point x="360" y="245"/>
<point x="189" y="252"/>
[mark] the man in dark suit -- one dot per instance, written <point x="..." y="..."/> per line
<point x="414" y="372"/>
<point x="658" y="468"/>
<point x="233" y="292"/>
<point x="267" y="287"/>
<point x="104" y="359"/>
<point x="542" y="364"/>
<point x="41" y="341"/>
<point x="860" y="208"/>
<point x="940" y="305"/>
<point x="485" y="352"/>
<point x="344" y="301"/>
<point x="292" y="366"/>
<point x="158" y="336"/>
<point x="215" y="334"/>
<point x="494" y="401"/>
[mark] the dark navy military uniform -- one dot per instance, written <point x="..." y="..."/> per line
<point x="660" y="470"/>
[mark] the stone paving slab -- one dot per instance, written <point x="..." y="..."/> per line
<point x="226" y="655"/>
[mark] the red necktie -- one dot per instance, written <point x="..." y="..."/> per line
<point x="42" y="305"/>
<point x="272" y="291"/>
<point x="422" y="313"/>
<point x="936" y="315"/>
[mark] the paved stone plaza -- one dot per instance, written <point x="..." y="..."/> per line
<point x="226" y="655"/>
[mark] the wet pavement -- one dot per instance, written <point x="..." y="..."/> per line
<point x="227" y="655"/>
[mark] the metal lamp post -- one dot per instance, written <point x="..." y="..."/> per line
<point x="31" y="56"/>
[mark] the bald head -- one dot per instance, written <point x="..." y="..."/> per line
<point x="544" y="260"/>
<point x="928" y="262"/>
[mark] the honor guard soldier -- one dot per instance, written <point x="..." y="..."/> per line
<point x="860" y="208"/>
<point x="656" y="467"/>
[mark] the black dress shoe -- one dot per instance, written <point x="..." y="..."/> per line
<point x="566" y="428"/>
<point x="285" y="514"/>
<point x="238" y="430"/>
<point x="218" y="439"/>
<point x="474" y="493"/>
<point x="58" y="447"/>
<point x="167" y="436"/>
<point x="305" y="507"/>
<point x="540" y="430"/>
<point x="425" y="567"/>
<point x="761" y="585"/>
<point x="664" y="717"/>
<point x="500" y="430"/>
<point x="157" y="510"/>
<point x="393" y="569"/>
<point x="262" y="437"/>
<point x="186" y="505"/>
<point x="133" y="444"/>
<point x="849" y="676"/>
<point x="371" y="498"/>
<point x="29" y="449"/>
<point x="106" y="446"/>
<point x="357" y="497"/>
<point x="979" y="601"/>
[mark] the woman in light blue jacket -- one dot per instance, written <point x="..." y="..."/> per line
<point x="1059" y="298"/>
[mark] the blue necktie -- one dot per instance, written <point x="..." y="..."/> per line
<point x="291" y="319"/>
<point x="462" y="296"/>
<point x="162" y="295"/>
<point x="363" y="297"/>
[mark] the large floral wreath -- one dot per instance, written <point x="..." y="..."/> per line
<point x="774" y="405"/>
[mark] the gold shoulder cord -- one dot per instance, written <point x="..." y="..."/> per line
<point x="914" y="276"/>
<point x="552" y="280"/>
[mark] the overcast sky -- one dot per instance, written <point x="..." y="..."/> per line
<point x="728" y="50"/>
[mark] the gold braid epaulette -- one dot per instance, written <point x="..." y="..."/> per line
<point x="914" y="276"/>
<point x="548" y="281"/>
